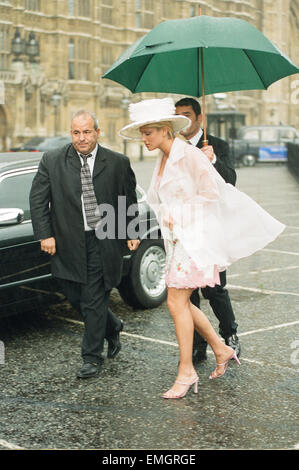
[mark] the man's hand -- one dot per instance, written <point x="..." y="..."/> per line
<point x="209" y="152"/>
<point x="48" y="245"/>
<point x="133" y="244"/>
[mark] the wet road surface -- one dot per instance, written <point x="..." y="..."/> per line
<point x="44" y="406"/>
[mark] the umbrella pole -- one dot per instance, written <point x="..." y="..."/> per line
<point x="204" y="122"/>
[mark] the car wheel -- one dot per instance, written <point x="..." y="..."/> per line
<point x="249" y="160"/>
<point x="144" y="286"/>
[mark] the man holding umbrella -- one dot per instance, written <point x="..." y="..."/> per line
<point x="218" y="153"/>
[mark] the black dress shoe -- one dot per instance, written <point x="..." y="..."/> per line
<point x="114" y="345"/>
<point x="89" y="370"/>
<point x="199" y="355"/>
<point x="233" y="342"/>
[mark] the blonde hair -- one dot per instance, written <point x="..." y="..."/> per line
<point x="168" y="124"/>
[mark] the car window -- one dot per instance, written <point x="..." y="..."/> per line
<point x="269" y="135"/>
<point x="287" y="134"/>
<point x="46" y="143"/>
<point x="33" y="142"/>
<point x="250" y="134"/>
<point x="14" y="192"/>
<point x="54" y="143"/>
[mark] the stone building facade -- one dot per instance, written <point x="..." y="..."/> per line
<point x="54" y="52"/>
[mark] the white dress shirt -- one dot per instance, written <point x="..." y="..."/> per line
<point x="90" y="162"/>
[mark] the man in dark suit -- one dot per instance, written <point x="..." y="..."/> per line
<point x="71" y="184"/>
<point x="218" y="153"/>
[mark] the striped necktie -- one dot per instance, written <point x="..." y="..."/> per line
<point x="89" y="198"/>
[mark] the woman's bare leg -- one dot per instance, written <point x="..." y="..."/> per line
<point x="203" y="326"/>
<point x="179" y="307"/>
<point x="186" y="316"/>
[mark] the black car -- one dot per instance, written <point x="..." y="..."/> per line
<point x="25" y="277"/>
<point x="262" y="144"/>
<point x="42" y="144"/>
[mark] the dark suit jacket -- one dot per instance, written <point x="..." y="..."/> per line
<point x="56" y="210"/>
<point x="223" y="165"/>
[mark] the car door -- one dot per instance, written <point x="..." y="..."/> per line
<point x="21" y="260"/>
<point x="271" y="149"/>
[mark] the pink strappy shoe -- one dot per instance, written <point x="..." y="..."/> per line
<point x="214" y="374"/>
<point x="173" y="395"/>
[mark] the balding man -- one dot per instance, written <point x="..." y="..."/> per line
<point x="70" y="185"/>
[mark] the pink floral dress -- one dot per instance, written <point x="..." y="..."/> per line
<point x="180" y="270"/>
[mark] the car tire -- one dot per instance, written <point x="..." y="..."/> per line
<point x="249" y="160"/>
<point x="144" y="286"/>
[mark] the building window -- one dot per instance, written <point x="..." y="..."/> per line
<point x="71" y="59"/>
<point x="148" y="20"/>
<point x="144" y="14"/>
<point x="78" y="59"/>
<point x="71" y="7"/>
<point x="111" y="131"/>
<point x="83" y="59"/>
<point x="79" y="8"/>
<point x="193" y="10"/>
<point x="32" y="5"/>
<point x="166" y="9"/>
<point x="84" y="8"/>
<point x="107" y="11"/>
<point x="148" y="4"/>
<point x="138" y="20"/>
<point x="4" y="46"/>
<point x="107" y="57"/>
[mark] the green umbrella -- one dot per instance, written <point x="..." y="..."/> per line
<point x="236" y="56"/>
<point x="170" y="58"/>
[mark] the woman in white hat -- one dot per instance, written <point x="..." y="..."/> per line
<point x="206" y="225"/>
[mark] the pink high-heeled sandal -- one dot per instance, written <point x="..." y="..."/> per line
<point x="173" y="395"/>
<point x="214" y="374"/>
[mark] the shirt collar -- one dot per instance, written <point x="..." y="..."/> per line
<point x="93" y="153"/>
<point x="195" y="139"/>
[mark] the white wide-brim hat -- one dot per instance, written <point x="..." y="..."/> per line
<point x="152" y="111"/>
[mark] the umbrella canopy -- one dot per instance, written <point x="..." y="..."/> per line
<point x="169" y="58"/>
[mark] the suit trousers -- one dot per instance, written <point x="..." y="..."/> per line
<point x="91" y="300"/>
<point x="221" y="305"/>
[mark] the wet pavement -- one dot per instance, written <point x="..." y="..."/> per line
<point x="44" y="406"/>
